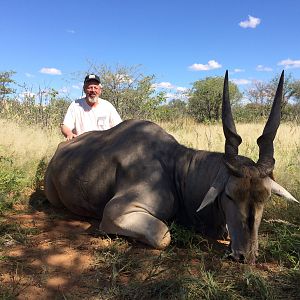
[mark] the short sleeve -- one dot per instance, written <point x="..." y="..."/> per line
<point x="115" y="118"/>
<point x="69" y="119"/>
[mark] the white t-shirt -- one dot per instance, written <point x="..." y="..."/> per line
<point x="82" y="117"/>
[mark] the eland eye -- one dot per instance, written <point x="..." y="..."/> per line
<point x="229" y="197"/>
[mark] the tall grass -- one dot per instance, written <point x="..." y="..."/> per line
<point x="24" y="152"/>
<point x="210" y="137"/>
<point x="22" y="148"/>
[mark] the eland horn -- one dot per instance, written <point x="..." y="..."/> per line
<point x="233" y="140"/>
<point x="266" y="160"/>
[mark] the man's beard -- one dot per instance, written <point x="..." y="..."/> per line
<point x="93" y="99"/>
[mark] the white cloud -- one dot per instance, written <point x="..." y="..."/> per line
<point x="262" y="68"/>
<point x="255" y="81"/>
<point x="177" y="95"/>
<point x="76" y="87"/>
<point x="163" y="85"/>
<point x="64" y="90"/>
<point x="211" y="65"/>
<point x="289" y="63"/>
<point x="240" y="81"/>
<point x="71" y="31"/>
<point x="51" y="71"/>
<point x="170" y="96"/>
<point x="252" y="22"/>
<point x="238" y="70"/>
<point x="181" y="89"/>
<point x="27" y="95"/>
<point x="29" y="75"/>
<point x="122" y="78"/>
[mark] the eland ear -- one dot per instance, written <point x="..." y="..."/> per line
<point x="278" y="190"/>
<point x="209" y="198"/>
<point x="216" y="188"/>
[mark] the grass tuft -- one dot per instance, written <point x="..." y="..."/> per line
<point x="254" y="286"/>
<point x="281" y="242"/>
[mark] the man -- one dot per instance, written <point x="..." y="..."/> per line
<point x="89" y="113"/>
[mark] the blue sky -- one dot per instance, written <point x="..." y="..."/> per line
<point x="46" y="42"/>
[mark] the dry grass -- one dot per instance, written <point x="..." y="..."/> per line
<point x="29" y="145"/>
<point x="26" y="143"/>
<point x="33" y="143"/>
<point x="24" y="153"/>
<point x="210" y="137"/>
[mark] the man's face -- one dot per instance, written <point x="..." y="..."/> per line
<point x="92" y="91"/>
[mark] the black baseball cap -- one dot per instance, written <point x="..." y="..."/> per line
<point x="91" y="77"/>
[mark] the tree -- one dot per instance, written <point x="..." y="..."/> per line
<point x="287" y="89"/>
<point x="5" y="83"/>
<point x="178" y="105"/>
<point x="262" y="93"/>
<point x="295" y="86"/>
<point x="205" y="98"/>
<point x="258" y="92"/>
<point x="130" y="91"/>
<point x="175" y="109"/>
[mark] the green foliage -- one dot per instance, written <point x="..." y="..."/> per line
<point x="11" y="182"/>
<point x="174" y="110"/>
<point x="295" y="86"/>
<point x="205" y="99"/>
<point x="292" y="112"/>
<point x="261" y="95"/>
<point x="14" y="233"/>
<point x="15" y="179"/>
<point x="250" y="113"/>
<point x="255" y="286"/>
<point x="44" y="108"/>
<point x="289" y="279"/>
<point x="176" y="288"/>
<point x="40" y="173"/>
<point x="288" y="89"/>
<point x="5" y="84"/>
<point x="10" y="177"/>
<point x="130" y="91"/>
<point x="48" y="114"/>
<point x="283" y="243"/>
<point x="152" y="276"/>
<point x="255" y="112"/>
<point x="183" y="237"/>
<point x="263" y="92"/>
<point x="134" y="96"/>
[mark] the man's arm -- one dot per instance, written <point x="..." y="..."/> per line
<point x="69" y="119"/>
<point x="115" y="118"/>
<point x="67" y="132"/>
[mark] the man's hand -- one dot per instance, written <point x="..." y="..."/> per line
<point x="71" y="136"/>
<point x="67" y="132"/>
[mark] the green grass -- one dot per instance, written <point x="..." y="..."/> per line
<point x="280" y="242"/>
<point x="11" y="234"/>
<point x="172" y="288"/>
<point x="24" y="155"/>
<point x="152" y="277"/>
<point x="253" y="286"/>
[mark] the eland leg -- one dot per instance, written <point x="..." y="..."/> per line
<point x="51" y="193"/>
<point x="130" y="219"/>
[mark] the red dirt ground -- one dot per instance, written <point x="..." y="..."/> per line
<point x="52" y="254"/>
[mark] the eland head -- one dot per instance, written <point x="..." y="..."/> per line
<point x="243" y="185"/>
